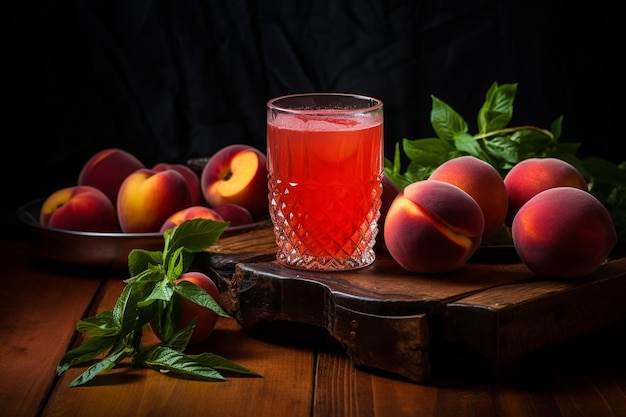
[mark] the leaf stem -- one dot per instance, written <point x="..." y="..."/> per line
<point x="509" y="130"/>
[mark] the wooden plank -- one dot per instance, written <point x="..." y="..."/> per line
<point x="406" y="310"/>
<point x="510" y="320"/>
<point x="38" y="314"/>
<point x="284" y="388"/>
<point x="380" y="314"/>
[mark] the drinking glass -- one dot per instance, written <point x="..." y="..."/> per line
<point x="325" y="156"/>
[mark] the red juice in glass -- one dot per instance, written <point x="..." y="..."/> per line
<point x="325" y="164"/>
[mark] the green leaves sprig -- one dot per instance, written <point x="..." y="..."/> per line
<point x="503" y="146"/>
<point x="116" y="334"/>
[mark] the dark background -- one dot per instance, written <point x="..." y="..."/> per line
<point x="172" y="80"/>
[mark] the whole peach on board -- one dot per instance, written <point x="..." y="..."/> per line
<point x="197" y="198"/>
<point x="79" y="208"/>
<point x="563" y="232"/>
<point x="193" y="212"/>
<point x="531" y="176"/>
<point x="433" y="226"/>
<point x="188" y="310"/>
<point x="107" y="169"/>
<point x="390" y="191"/>
<point x="483" y="182"/>
<point x="237" y="174"/>
<point x="235" y="214"/>
<point x="147" y="198"/>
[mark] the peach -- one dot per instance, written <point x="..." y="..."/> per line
<point x="531" y="176"/>
<point x="390" y="191"/>
<point x="197" y="198"/>
<point x="483" y="182"/>
<point x="107" y="169"/>
<point x="237" y="174"/>
<point x="433" y="226"/>
<point x="563" y="232"/>
<point x="147" y="198"/>
<point x="235" y="214"/>
<point x="188" y="310"/>
<point x="193" y="212"/>
<point x="80" y="208"/>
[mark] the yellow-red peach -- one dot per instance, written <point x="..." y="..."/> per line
<point x="197" y="198"/>
<point x="433" y="226"/>
<point x="237" y="174"/>
<point x="235" y="214"/>
<point x="193" y="212"/>
<point x="147" y="198"/>
<point x="563" y="232"/>
<point x="531" y="176"/>
<point x="107" y="169"/>
<point x="483" y="182"/>
<point x="79" y="208"/>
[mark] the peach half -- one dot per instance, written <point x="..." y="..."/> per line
<point x="237" y="174"/>
<point x="433" y="226"/>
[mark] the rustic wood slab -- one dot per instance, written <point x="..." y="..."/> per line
<point x="390" y="320"/>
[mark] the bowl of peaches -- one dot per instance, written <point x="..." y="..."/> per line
<point x="118" y="204"/>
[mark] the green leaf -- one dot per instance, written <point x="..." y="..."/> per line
<point x="199" y="296"/>
<point x="194" y="235"/>
<point x="466" y="143"/>
<point x="497" y="110"/>
<point x="106" y="363"/>
<point x="178" y="340"/>
<point x="139" y="260"/>
<point x="178" y="262"/>
<point x="167" y="360"/>
<point x="161" y="291"/>
<point x="217" y="362"/>
<point x="100" y="325"/>
<point x="446" y="122"/>
<point x="89" y="350"/>
<point x="430" y="152"/>
<point x="126" y="311"/>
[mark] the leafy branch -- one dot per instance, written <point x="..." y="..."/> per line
<point x="114" y="335"/>
<point x="503" y="146"/>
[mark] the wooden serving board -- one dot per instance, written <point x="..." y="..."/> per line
<point x="394" y="321"/>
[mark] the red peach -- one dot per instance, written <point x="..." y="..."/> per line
<point x="147" y="198"/>
<point x="563" y="232"/>
<point x="237" y="174"/>
<point x="188" y="310"/>
<point x="433" y="226"/>
<point x="79" y="208"/>
<point x="483" y="182"/>
<point x="193" y="212"/>
<point x="107" y="169"/>
<point x="197" y="198"/>
<point x="531" y="176"/>
<point x="235" y="214"/>
<point x="390" y="191"/>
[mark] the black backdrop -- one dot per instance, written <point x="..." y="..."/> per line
<point x="172" y="80"/>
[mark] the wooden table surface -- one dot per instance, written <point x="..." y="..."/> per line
<point x="301" y="375"/>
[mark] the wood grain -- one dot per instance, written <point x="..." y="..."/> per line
<point x="37" y="324"/>
<point x="145" y="392"/>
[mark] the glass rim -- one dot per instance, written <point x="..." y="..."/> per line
<point x="374" y="103"/>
